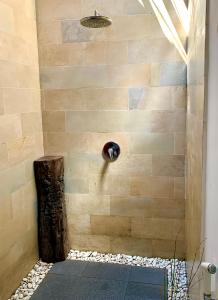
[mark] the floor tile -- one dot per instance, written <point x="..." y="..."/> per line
<point x="81" y="280"/>
<point x="64" y="287"/>
<point x="148" y="275"/>
<point x="141" y="291"/>
<point x="68" y="267"/>
<point x="100" y="289"/>
<point x="56" y="287"/>
<point x="107" y="271"/>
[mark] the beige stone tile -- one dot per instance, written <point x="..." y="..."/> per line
<point x="151" y="143"/>
<point x="27" y="100"/>
<point x="111" y="8"/>
<point x="121" y="29"/>
<point x="106" y="98"/>
<point x="55" y="9"/>
<point x="133" y="165"/>
<point x="3" y="156"/>
<point x="155" y="74"/>
<point x="139" y="51"/>
<point x="39" y="144"/>
<point x="90" y="242"/>
<point x="168" y="165"/>
<point x="31" y="123"/>
<point x="179" y="187"/>
<point x="61" y="142"/>
<point x="135" y="7"/>
<point x="15" y="259"/>
<point x="104" y="184"/>
<point x="131" y="246"/>
<point x="117" y="53"/>
<point x="8" y="71"/>
<point x="166" y="249"/>
<point x="61" y="55"/>
<point x="12" y="179"/>
<point x="20" y="149"/>
<point x="86" y="99"/>
<point x="163" y="51"/>
<point x="53" y="121"/>
<point x="168" y="121"/>
<point x="142" y="228"/>
<point x="49" y="33"/>
<point x="95" y="53"/>
<point x="179" y="96"/>
<point x="77" y="142"/>
<point x="162" y="187"/>
<point x="78" y="224"/>
<point x="168" y="208"/>
<point x="128" y="75"/>
<point x="162" y="121"/>
<point x="10" y="127"/>
<point x="25" y="26"/>
<point x="141" y="186"/>
<point x="160" y="98"/>
<point x="105" y="121"/>
<point x="165" y="229"/>
<point x="180" y="143"/>
<point x="18" y="206"/>
<point x="7" y="18"/>
<point x="168" y="229"/>
<point x="77" y="165"/>
<point x="19" y="96"/>
<point x="6" y="210"/>
<point x="150" y="98"/>
<point x="63" y="77"/>
<point x="139" y="121"/>
<point x="77" y="185"/>
<point x="1" y="103"/>
<point x="179" y="121"/>
<point x="30" y="205"/>
<point x="110" y="225"/>
<point x="25" y="54"/>
<point x="157" y="50"/>
<point x="88" y="204"/>
<point x="131" y="206"/>
<point x="28" y="76"/>
<point x="130" y="165"/>
<point x="55" y="143"/>
<point x="64" y="100"/>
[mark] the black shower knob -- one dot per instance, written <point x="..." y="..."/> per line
<point x="111" y="151"/>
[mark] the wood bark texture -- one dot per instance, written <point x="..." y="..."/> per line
<point x="52" y="222"/>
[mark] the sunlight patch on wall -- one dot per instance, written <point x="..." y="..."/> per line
<point x="182" y="13"/>
<point x="141" y="2"/>
<point x="167" y="25"/>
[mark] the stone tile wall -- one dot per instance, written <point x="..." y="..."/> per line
<point x="195" y="137"/>
<point x="20" y="141"/>
<point x="125" y="83"/>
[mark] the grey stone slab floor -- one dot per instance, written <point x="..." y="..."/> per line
<point x="81" y="280"/>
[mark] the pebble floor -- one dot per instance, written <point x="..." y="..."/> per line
<point x="175" y="268"/>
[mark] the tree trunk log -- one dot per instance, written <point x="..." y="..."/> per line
<point x="52" y="222"/>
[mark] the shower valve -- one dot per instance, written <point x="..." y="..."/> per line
<point x="111" y="151"/>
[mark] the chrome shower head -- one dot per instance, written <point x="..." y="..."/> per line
<point x="96" y="21"/>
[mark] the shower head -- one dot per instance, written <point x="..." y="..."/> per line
<point x="96" y="21"/>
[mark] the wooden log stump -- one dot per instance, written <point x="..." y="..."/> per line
<point x="52" y="222"/>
